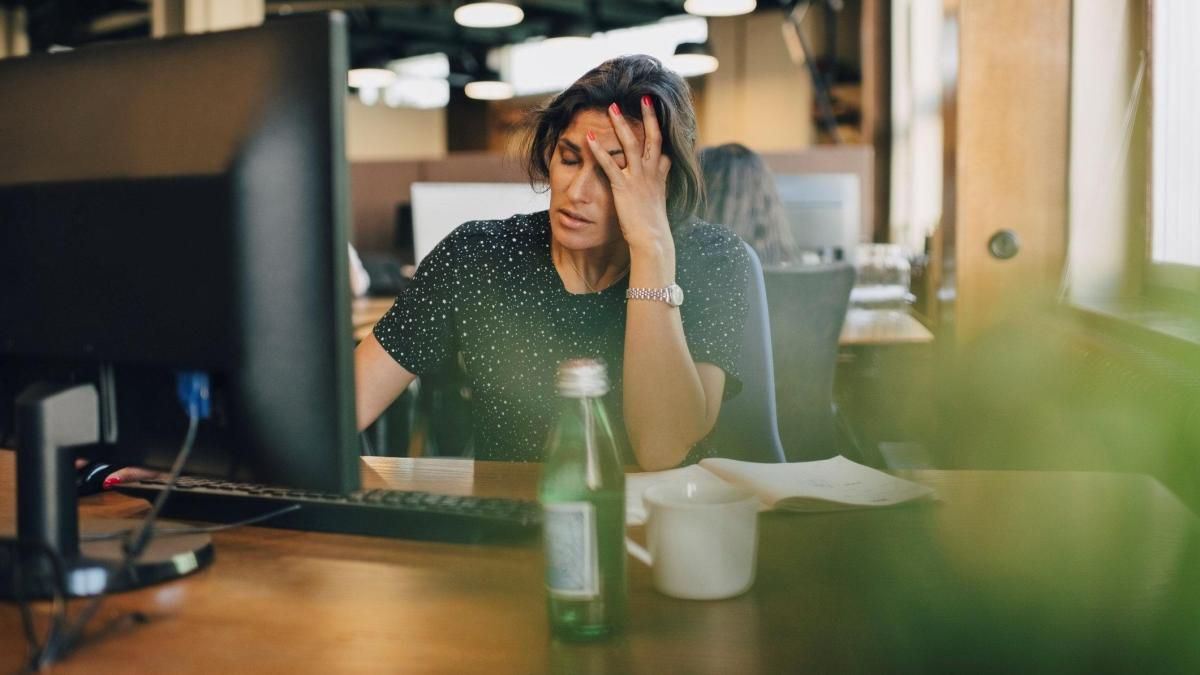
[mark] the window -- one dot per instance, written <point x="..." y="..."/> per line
<point x="1175" y="145"/>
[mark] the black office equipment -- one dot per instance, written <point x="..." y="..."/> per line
<point x="388" y="513"/>
<point x="174" y="205"/>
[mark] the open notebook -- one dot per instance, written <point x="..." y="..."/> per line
<point x="826" y="485"/>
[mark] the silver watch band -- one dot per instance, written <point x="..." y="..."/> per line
<point x="660" y="294"/>
<point x="671" y="295"/>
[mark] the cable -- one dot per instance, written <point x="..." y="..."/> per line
<point x="36" y="659"/>
<point x="182" y="531"/>
<point x="70" y="636"/>
<point x="193" y="391"/>
<point x="141" y="539"/>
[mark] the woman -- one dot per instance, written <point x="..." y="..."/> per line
<point x="741" y="193"/>
<point x="513" y="298"/>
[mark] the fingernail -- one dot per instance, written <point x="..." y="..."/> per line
<point x="591" y="135"/>
<point x="646" y="101"/>
<point x="111" y="481"/>
<point x="615" y="109"/>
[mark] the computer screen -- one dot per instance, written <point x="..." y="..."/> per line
<point x="438" y="208"/>
<point x="823" y="211"/>
<point x="181" y="205"/>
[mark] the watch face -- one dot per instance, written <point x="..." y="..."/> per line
<point x="674" y="295"/>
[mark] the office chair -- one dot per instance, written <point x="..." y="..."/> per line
<point x="746" y="428"/>
<point x="807" y="308"/>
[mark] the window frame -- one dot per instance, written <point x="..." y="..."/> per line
<point x="1159" y="280"/>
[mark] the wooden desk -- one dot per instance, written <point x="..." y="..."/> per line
<point x="862" y="326"/>
<point x="882" y="327"/>
<point x="1011" y="572"/>
<point x="365" y="312"/>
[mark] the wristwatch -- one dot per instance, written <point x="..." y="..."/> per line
<point x="672" y="295"/>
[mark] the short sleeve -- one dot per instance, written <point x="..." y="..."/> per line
<point x="418" y="330"/>
<point x="713" y="270"/>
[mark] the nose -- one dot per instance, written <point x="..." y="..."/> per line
<point x="582" y="186"/>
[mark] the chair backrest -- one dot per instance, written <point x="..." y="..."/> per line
<point x="747" y="428"/>
<point x="807" y="308"/>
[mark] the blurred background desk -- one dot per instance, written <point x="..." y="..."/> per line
<point x="365" y="312"/>
<point x="884" y="389"/>
<point x="882" y="327"/>
<point x="1012" y="571"/>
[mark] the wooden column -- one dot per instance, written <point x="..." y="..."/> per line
<point x="174" y="17"/>
<point x="877" y="94"/>
<point x="1010" y="164"/>
<point x="14" y="41"/>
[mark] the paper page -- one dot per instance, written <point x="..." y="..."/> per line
<point x="637" y="483"/>
<point x="827" y="484"/>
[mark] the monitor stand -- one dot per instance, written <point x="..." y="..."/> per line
<point x="51" y="419"/>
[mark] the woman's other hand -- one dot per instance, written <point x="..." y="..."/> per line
<point x="130" y="474"/>
<point x="96" y="476"/>
<point x="639" y="188"/>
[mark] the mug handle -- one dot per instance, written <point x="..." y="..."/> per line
<point x="637" y="551"/>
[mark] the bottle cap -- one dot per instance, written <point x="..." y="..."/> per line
<point x="582" y="378"/>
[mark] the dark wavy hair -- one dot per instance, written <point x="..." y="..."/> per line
<point x="625" y="80"/>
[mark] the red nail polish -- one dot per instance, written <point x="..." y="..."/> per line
<point x="646" y="101"/>
<point x="111" y="481"/>
<point x="615" y="109"/>
<point x="591" y="135"/>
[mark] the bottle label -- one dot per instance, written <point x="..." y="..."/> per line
<point x="572" y="566"/>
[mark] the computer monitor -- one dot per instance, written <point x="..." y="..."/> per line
<point x="181" y="205"/>
<point x="438" y="208"/>
<point x="823" y="211"/>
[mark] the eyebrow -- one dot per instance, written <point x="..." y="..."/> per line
<point x="576" y="149"/>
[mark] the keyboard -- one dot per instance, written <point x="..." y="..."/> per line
<point x="402" y="514"/>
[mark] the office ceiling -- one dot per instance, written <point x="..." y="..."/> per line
<point x="380" y="29"/>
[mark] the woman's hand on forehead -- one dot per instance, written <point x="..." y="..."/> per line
<point x="640" y="187"/>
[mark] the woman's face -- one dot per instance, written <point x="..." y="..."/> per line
<point x="582" y="213"/>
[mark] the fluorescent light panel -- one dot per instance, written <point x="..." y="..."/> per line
<point x="488" y="15"/>
<point x="691" y="65"/>
<point x="542" y="66"/>
<point x="719" y="7"/>
<point x="488" y="90"/>
<point x="371" y="78"/>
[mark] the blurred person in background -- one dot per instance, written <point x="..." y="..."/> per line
<point x="741" y="194"/>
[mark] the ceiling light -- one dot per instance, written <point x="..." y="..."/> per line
<point x="417" y="92"/>
<point x="719" y="7"/>
<point x="488" y="15"/>
<point x="692" y="59"/>
<point x="488" y="90"/>
<point x="371" y="78"/>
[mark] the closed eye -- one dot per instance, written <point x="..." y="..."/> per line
<point x="568" y="156"/>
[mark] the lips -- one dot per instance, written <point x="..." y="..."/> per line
<point x="572" y="219"/>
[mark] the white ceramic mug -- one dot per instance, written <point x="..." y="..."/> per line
<point x="702" y="537"/>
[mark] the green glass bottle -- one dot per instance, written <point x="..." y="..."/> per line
<point x="583" y="494"/>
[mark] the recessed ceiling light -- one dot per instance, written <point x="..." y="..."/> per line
<point x="692" y="59"/>
<point x="719" y="7"/>
<point x="488" y="15"/>
<point x="488" y="90"/>
<point x="371" y="78"/>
